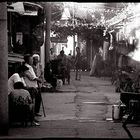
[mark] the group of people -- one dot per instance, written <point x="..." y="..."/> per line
<point x="65" y="63"/>
<point x="24" y="85"/>
<point x="58" y="68"/>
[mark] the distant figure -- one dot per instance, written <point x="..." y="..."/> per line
<point x="78" y="64"/>
<point x="18" y="47"/>
<point x="62" y="57"/>
<point x="53" y="56"/>
<point x="97" y="65"/>
<point x="49" y="76"/>
<point x="69" y="67"/>
<point x="62" y="67"/>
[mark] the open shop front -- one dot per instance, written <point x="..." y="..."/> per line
<point x="128" y="68"/>
<point x="25" y="32"/>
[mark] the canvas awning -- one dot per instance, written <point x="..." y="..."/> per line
<point x="20" y="7"/>
<point x="10" y="8"/>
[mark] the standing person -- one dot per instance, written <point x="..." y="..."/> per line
<point x="69" y="66"/>
<point x="97" y="66"/>
<point x="62" y="58"/>
<point x="40" y="74"/>
<point x="37" y="67"/>
<point x="53" y="56"/>
<point x="31" y="81"/>
<point x="77" y="64"/>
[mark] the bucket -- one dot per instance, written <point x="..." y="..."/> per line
<point x="116" y="112"/>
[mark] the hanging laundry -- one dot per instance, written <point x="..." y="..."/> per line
<point x="105" y="50"/>
<point x="106" y="44"/>
<point x="120" y="61"/>
<point x="111" y="42"/>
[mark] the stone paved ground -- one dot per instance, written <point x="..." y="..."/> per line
<point x="79" y="110"/>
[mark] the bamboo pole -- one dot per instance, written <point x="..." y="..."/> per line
<point x="47" y="30"/>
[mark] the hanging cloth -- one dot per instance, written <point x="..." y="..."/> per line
<point x="106" y="44"/>
<point x="93" y="66"/>
<point x="105" y="50"/>
<point x="111" y="41"/>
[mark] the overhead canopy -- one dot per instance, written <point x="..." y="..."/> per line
<point x="26" y="8"/>
<point x="10" y="8"/>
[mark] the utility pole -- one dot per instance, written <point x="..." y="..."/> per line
<point x="73" y="27"/>
<point x="3" y="70"/>
<point x="47" y="30"/>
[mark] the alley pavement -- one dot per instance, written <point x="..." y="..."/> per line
<point x="82" y="109"/>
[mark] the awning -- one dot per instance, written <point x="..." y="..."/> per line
<point x="33" y="4"/>
<point x="20" y="8"/>
<point x="10" y="8"/>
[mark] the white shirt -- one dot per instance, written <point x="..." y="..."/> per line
<point x="12" y="80"/>
<point x="53" y="56"/>
<point x="30" y="76"/>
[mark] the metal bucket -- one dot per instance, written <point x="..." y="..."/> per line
<point x="116" y="112"/>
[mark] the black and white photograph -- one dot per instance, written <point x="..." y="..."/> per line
<point x="69" y="70"/>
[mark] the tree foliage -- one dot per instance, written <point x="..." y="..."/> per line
<point x="56" y="9"/>
<point x="86" y="30"/>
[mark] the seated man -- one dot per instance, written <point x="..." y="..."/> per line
<point x="49" y="76"/>
<point x="20" y="105"/>
<point x="19" y="77"/>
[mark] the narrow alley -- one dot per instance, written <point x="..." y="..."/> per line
<point x="42" y="43"/>
<point x="82" y="109"/>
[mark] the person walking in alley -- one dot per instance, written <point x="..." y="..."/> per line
<point x="62" y="64"/>
<point x="77" y="64"/>
<point x="31" y="81"/>
<point x="53" y="56"/>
